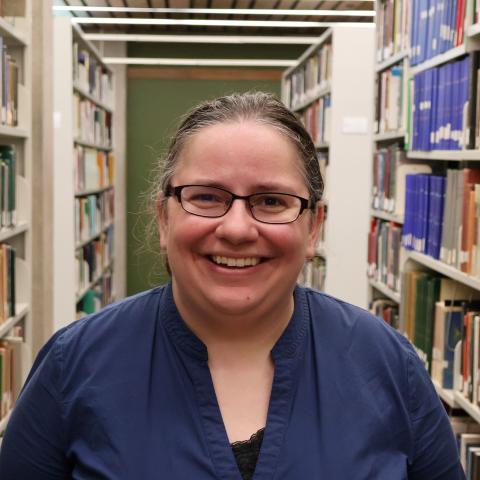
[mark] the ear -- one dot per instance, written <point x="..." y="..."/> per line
<point x="315" y="224"/>
<point x="162" y="220"/>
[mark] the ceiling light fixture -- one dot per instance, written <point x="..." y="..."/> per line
<point x="223" y="11"/>
<point x="207" y="22"/>
<point x="232" y="39"/>
<point x="194" y="62"/>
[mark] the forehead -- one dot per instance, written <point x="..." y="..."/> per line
<point x="242" y="150"/>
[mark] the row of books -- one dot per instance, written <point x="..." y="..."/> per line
<point x="384" y="243"/>
<point x="10" y="373"/>
<point x="423" y="228"/>
<point x="311" y="76"/>
<point x="443" y="114"/>
<point x="93" y="258"/>
<point x="97" y="297"/>
<point x="93" y="169"/>
<point x="433" y="320"/>
<point x="91" y="123"/>
<point x="387" y="310"/>
<point x="314" y="273"/>
<point x="317" y="120"/>
<point x="436" y="26"/>
<point x="390" y="105"/>
<point x="442" y="217"/>
<point x="9" y="79"/>
<point x="90" y="75"/>
<point x="92" y="214"/>
<point x="8" y="191"/>
<point x="392" y="24"/>
<point x="390" y="167"/>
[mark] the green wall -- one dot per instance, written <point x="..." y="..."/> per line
<point x="153" y="110"/>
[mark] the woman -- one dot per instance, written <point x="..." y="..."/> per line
<point x="162" y="384"/>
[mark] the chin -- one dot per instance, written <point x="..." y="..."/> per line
<point x="234" y="301"/>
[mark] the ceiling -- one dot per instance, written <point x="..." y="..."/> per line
<point x="338" y="5"/>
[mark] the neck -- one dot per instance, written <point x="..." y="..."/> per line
<point x="236" y="334"/>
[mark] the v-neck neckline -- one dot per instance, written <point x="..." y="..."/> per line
<point x="286" y="354"/>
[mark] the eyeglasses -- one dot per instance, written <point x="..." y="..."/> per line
<point x="214" y="202"/>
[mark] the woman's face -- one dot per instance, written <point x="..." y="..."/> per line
<point x="244" y="158"/>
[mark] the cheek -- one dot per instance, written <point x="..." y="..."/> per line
<point x="291" y="241"/>
<point x="186" y="233"/>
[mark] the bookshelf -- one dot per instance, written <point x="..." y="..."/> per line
<point x="436" y="267"/>
<point x="16" y="261"/>
<point x="84" y="183"/>
<point x="318" y="89"/>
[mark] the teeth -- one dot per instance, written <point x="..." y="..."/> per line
<point x="236" y="262"/>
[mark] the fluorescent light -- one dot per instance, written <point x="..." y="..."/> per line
<point x="204" y="23"/>
<point x="224" y="11"/>
<point x="234" y="39"/>
<point x="194" y="62"/>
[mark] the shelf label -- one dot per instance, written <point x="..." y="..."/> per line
<point x="57" y="120"/>
<point x="355" y="125"/>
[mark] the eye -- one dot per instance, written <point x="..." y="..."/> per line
<point x="205" y="198"/>
<point x="270" y="202"/>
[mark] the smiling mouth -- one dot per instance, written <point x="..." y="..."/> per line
<point x="235" y="262"/>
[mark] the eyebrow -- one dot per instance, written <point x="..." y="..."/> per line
<point x="259" y="187"/>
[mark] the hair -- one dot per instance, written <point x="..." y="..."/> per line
<point x="260" y="107"/>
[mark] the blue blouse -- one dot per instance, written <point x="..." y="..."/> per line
<point x="126" y="393"/>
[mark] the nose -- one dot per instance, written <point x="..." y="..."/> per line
<point x="238" y="225"/>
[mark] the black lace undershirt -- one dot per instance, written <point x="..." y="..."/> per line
<point x="246" y="454"/>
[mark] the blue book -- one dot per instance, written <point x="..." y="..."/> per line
<point x="452" y="335"/>
<point x="434" y="110"/>
<point x="463" y="68"/>
<point x="423" y="30"/>
<point x="455" y="93"/>
<point x="452" y="24"/>
<point x="437" y="144"/>
<point x="418" y="212"/>
<point x="407" y="231"/>
<point x="432" y="207"/>
<point x="430" y="8"/>
<point x="425" y="191"/>
<point x="437" y="185"/>
<point x="441" y="8"/>
<point x="447" y="13"/>
<point x="435" y="35"/>
<point x="448" y="105"/>
<point x="427" y="109"/>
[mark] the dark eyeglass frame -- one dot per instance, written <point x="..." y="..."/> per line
<point x="177" y="192"/>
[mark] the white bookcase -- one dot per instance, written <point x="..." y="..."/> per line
<point x="349" y="148"/>
<point x="410" y="260"/>
<point x="16" y="35"/>
<point x="67" y="291"/>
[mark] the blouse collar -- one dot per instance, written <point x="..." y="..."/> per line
<point x="286" y="346"/>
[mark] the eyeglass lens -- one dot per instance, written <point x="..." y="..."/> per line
<point x="265" y="207"/>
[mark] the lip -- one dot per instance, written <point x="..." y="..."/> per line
<point x="224" y="269"/>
